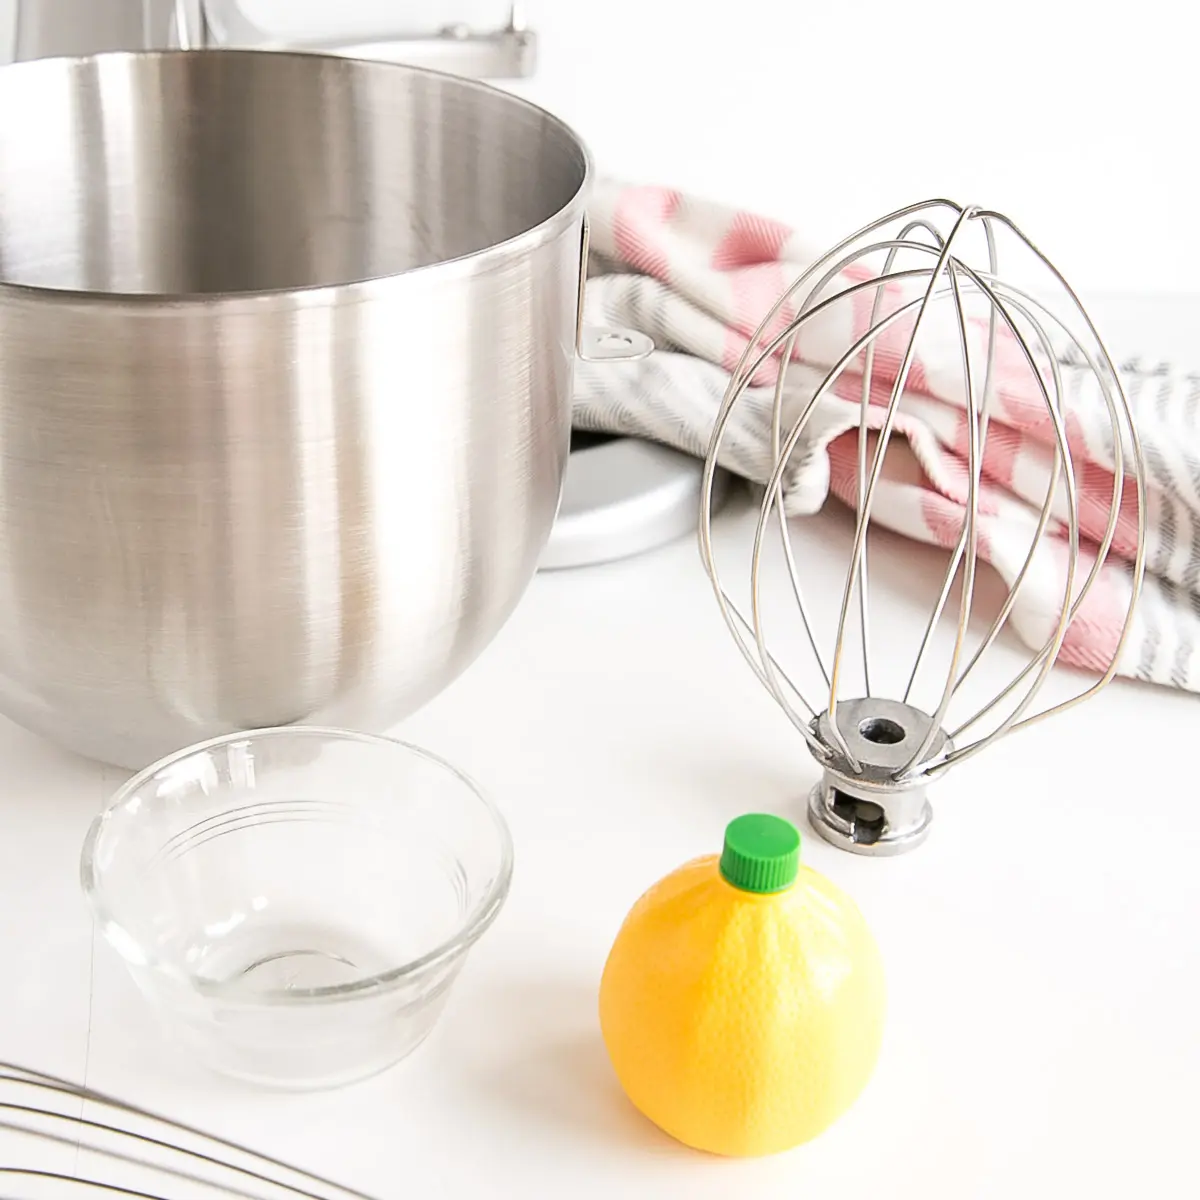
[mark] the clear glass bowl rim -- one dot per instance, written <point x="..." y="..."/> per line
<point x="469" y="932"/>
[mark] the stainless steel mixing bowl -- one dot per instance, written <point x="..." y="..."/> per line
<point x="286" y="355"/>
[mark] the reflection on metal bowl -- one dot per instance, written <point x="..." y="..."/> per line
<point x="286" y="353"/>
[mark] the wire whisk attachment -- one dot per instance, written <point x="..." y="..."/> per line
<point x="59" y="1139"/>
<point x="858" y="329"/>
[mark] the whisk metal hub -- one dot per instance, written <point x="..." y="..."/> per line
<point x="875" y="809"/>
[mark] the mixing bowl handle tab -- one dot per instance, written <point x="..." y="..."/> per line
<point x="595" y="344"/>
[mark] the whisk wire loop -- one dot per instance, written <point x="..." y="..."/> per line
<point x="135" y="1150"/>
<point x="877" y="755"/>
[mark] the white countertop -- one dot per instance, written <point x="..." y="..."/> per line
<point x="1042" y="948"/>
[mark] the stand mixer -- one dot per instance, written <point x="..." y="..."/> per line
<point x="50" y="28"/>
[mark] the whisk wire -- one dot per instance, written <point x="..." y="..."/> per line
<point x="773" y="486"/>
<point x="864" y="515"/>
<point x="968" y="537"/>
<point x="763" y="667"/>
<point x="256" y="1176"/>
<point x="789" y="558"/>
<point x="1071" y="606"/>
<point x="1043" y="521"/>
<point x="988" y="384"/>
<point x="939" y="244"/>
<point x="786" y="354"/>
<point x="1046" y="657"/>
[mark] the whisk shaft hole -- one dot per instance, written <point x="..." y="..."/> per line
<point x="882" y="731"/>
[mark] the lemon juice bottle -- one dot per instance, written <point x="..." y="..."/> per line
<point x="742" y="1003"/>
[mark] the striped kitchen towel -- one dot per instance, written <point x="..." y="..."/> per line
<point x="698" y="278"/>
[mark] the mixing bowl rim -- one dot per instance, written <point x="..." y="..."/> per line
<point x="468" y="932"/>
<point x="323" y="294"/>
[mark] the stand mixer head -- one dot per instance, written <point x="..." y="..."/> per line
<point x="73" y="28"/>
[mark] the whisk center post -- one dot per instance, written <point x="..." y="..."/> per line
<point x="879" y="809"/>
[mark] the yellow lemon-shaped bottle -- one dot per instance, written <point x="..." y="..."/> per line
<point x="742" y="1003"/>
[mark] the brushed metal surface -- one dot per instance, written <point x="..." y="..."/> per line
<point x="624" y="496"/>
<point x="286" y="352"/>
<point x="49" y="28"/>
<point x="54" y="28"/>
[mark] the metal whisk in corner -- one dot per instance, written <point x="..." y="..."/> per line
<point x="885" y="287"/>
<point x="58" y="1138"/>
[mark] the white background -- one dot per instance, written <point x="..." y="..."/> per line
<point x="1043" y="967"/>
<point x="1077" y="120"/>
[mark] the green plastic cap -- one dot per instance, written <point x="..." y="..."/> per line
<point x="761" y="854"/>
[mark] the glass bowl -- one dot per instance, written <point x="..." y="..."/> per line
<point x="296" y="903"/>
